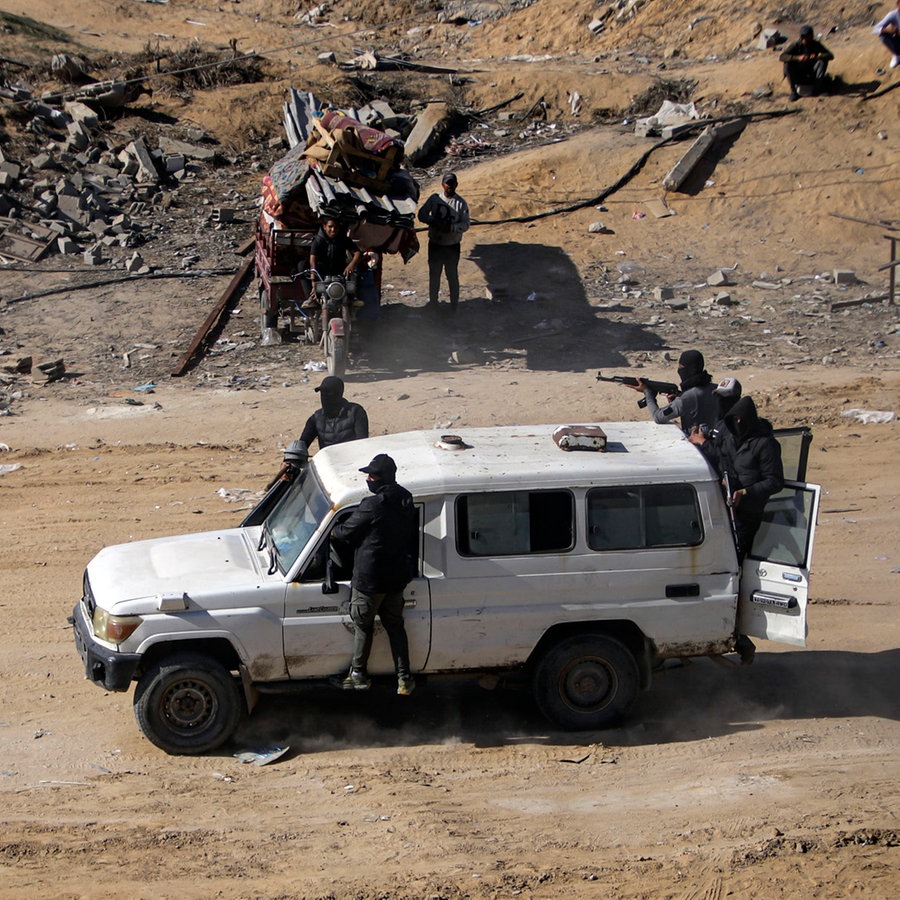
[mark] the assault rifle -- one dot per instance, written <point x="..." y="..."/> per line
<point x="657" y="387"/>
<point x="729" y="502"/>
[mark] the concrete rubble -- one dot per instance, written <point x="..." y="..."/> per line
<point x="88" y="188"/>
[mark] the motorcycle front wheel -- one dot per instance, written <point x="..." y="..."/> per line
<point x="336" y="354"/>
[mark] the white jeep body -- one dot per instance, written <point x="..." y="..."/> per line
<point x="528" y="555"/>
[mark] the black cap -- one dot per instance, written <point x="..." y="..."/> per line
<point x="382" y="467"/>
<point x="806" y="31"/>
<point x="331" y="384"/>
<point x="450" y="177"/>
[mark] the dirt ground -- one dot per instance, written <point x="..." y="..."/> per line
<point x="778" y="779"/>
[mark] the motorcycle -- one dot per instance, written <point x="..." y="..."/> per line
<point x="332" y="323"/>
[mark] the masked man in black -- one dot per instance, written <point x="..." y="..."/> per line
<point x="338" y="420"/>
<point x="382" y="533"/>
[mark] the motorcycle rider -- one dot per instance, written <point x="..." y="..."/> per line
<point x="329" y="254"/>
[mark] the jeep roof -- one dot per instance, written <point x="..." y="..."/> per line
<point x="511" y="458"/>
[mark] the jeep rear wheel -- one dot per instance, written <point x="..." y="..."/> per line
<point x="585" y="682"/>
<point x="187" y="703"/>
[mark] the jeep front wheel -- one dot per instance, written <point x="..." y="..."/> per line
<point x="187" y="703"/>
<point x="585" y="682"/>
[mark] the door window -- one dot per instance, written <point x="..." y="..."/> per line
<point x="784" y="534"/>
<point x="643" y="517"/>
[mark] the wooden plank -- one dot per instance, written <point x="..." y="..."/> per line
<point x="213" y="317"/>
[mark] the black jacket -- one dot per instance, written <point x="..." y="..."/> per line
<point x="347" y="422"/>
<point x="383" y="532"/>
<point x="752" y="457"/>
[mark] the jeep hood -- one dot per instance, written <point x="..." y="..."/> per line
<point x="217" y="562"/>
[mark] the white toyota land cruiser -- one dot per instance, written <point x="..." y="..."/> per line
<point x="580" y="569"/>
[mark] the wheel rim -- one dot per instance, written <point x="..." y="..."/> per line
<point x="189" y="705"/>
<point x="588" y="685"/>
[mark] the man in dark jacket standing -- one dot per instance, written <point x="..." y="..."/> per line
<point x="752" y="459"/>
<point x="447" y="216"/>
<point x="382" y="533"/>
<point x="338" y="420"/>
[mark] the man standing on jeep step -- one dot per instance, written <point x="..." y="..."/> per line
<point x="382" y="532"/>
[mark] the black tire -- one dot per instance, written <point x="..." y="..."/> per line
<point x="188" y="703"/>
<point x="336" y="354"/>
<point x="267" y="318"/>
<point x="585" y="682"/>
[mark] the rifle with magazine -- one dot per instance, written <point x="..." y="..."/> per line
<point x="656" y="387"/>
<point x="729" y="502"/>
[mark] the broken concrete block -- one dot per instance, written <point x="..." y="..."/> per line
<point x="598" y="228"/>
<point x="723" y="298"/>
<point x="766" y="285"/>
<point x="79" y="139"/>
<point x="222" y="214"/>
<point x="82" y="113"/>
<point x="710" y="136"/>
<point x="428" y="132"/>
<point x="134" y="263"/>
<point x="596" y="26"/>
<point x="42" y="161"/>
<point x="768" y="38"/>
<point x="844" y="276"/>
<point x="174" y="162"/>
<point x="663" y="293"/>
<point x="191" y="151"/>
<point x="66" y="245"/>
<point x="11" y="169"/>
<point x="146" y="167"/>
<point x="327" y="57"/>
<point x="720" y="276"/>
<point x="70" y="207"/>
<point x="93" y="256"/>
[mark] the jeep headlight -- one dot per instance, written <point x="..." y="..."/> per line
<point x="114" y="629"/>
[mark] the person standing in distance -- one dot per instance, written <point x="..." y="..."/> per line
<point x="447" y="216"/>
<point x="338" y="420"/>
<point x="382" y="533"/>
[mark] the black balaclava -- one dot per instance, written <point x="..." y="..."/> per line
<point x="745" y="409"/>
<point x="690" y="369"/>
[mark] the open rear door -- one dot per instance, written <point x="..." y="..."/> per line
<point x="775" y="575"/>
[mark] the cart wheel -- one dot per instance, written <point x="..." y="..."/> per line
<point x="267" y="318"/>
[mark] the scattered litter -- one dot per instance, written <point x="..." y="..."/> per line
<point x="869" y="417"/>
<point x="233" y="495"/>
<point x="263" y="756"/>
<point x="315" y="366"/>
<point x="638" y="214"/>
<point x="407" y="293"/>
<point x="149" y="388"/>
<point x="531" y="297"/>
<point x="6" y="468"/>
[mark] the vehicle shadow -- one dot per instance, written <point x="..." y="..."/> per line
<point x="686" y="703"/>
<point x="537" y="312"/>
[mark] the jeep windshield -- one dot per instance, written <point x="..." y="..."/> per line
<point x="295" y="519"/>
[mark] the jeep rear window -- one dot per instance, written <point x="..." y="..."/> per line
<point x="643" y="516"/>
<point x="513" y="523"/>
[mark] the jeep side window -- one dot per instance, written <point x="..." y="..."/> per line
<point x="643" y="517"/>
<point x="513" y="523"/>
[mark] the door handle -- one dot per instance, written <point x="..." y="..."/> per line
<point x="682" y="590"/>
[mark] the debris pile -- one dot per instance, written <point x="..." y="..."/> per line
<point x="87" y="190"/>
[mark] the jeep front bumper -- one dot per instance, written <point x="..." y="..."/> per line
<point x="108" y="668"/>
